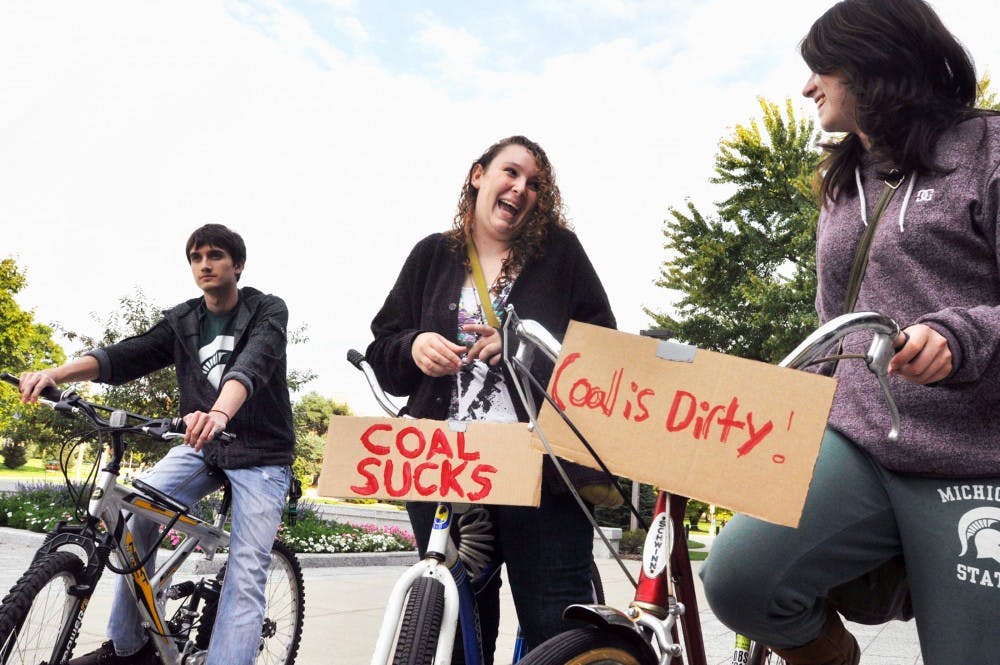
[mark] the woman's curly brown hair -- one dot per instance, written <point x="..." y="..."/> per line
<point x="548" y="212"/>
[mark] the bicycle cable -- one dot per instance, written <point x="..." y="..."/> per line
<point x="475" y="544"/>
<point x="579" y="435"/>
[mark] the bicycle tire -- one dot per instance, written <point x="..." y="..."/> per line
<point x="284" y="609"/>
<point x="762" y="655"/>
<point x="421" y="625"/>
<point x="597" y="583"/>
<point x="590" y="646"/>
<point x="37" y="608"/>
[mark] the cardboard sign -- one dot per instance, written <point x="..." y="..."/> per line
<point x="724" y="430"/>
<point x="431" y="460"/>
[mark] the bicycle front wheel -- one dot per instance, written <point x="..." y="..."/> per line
<point x="591" y="646"/>
<point x="762" y="655"/>
<point x="421" y="624"/>
<point x="37" y="608"/>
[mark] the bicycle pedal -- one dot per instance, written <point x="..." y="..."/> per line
<point x="180" y="590"/>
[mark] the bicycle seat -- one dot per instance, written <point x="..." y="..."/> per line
<point x="162" y="497"/>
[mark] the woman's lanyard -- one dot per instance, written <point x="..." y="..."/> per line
<point x="485" y="302"/>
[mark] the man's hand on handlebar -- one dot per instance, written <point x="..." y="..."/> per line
<point x="488" y="347"/>
<point x="202" y="427"/>
<point x="435" y="355"/>
<point x="922" y="355"/>
<point x="33" y="383"/>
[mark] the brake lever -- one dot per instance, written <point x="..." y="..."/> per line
<point x="173" y="428"/>
<point x="880" y="352"/>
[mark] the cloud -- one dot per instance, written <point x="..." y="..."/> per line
<point x="454" y="51"/>
<point x="126" y="125"/>
<point x="352" y="28"/>
<point x="619" y="9"/>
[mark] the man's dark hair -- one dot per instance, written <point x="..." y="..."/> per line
<point x="222" y="237"/>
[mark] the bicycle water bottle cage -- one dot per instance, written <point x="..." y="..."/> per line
<point x="160" y="497"/>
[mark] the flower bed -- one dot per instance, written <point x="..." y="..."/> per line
<point x="39" y="506"/>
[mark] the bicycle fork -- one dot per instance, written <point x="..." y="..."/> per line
<point x="438" y="564"/>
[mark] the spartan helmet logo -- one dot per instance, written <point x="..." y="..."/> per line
<point x="981" y="527"/>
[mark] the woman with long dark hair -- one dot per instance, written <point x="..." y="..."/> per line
<point x="917" y="167"/>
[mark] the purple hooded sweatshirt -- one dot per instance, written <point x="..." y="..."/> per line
<point x="934" y="260"/>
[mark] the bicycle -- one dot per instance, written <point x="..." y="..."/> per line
<point x="41" y="616"/>
<point x="646" y="633"/>
<point x="439" y="590"/>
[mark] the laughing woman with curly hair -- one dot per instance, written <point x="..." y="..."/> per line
<point x="434" y="343"/>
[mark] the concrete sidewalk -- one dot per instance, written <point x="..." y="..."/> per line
<point x="346" y="594"/>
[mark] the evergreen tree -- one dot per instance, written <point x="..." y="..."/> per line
<point x="746" y="276"/>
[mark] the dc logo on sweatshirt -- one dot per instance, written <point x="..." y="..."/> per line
<point x="924" y="195"/>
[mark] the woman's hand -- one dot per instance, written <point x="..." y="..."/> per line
<point x="488" y="348"/>
<point x="922" y="355"/>
<point x="435" y="355"/>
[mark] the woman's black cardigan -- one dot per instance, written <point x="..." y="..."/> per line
<point x="558" y="285"/>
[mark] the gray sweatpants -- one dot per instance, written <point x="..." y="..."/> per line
<point x="767" y="581"/>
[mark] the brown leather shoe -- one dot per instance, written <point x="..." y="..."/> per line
<point x="834" y="646"/>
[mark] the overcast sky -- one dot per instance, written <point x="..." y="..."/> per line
<point x="334" y="134"/>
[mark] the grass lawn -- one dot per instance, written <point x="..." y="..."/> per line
<point x="33" y="470"/>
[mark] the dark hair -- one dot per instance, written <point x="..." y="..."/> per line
<point x="547" y="214"/>
<point x="911" y="78"/>
<point x="222" y="237"/>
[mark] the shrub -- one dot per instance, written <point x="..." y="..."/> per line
<point x="632" y="541"/>
<point x="39" y="506"/>
<point x="14" y="455"/>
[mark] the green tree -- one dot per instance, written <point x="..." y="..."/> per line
<point x="311" y="414"/>
<point x="43" y="431"/>
<point x="987" y="97"/>
<point x="746" y="275"/>
<point x="24" y="343"/>
<point x="155" y="394"/>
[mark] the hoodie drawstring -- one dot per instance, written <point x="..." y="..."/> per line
<point x="864" y="204"/>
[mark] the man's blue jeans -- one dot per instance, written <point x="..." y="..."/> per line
<point x="258" y="494"/>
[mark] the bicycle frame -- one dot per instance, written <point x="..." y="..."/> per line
<point x="433" y="565"/>
<point x="665" y="594"/>
<point x="441" y="562"/>
<point x="106" y="504"/>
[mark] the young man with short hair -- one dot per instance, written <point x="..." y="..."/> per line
<point x="228" y="349"/>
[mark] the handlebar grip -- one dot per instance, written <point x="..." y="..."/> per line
<point x="50" y="393"/>
<point x="355" y="358"/>
<point x="178" y="426"/>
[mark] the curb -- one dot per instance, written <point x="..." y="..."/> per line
<point x="198" y="565"/>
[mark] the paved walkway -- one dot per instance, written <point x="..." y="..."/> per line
<point x="345" y="597"/>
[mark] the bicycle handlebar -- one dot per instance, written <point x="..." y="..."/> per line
<point x="808" y="352"/>
<point x="533" y="335"/>
<point x="50" y="393"/>
<point x="880" y="351"/>
<point x="69" y="402"/>
<point x="358" y="360"/>
<point x="836" y="329"/>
